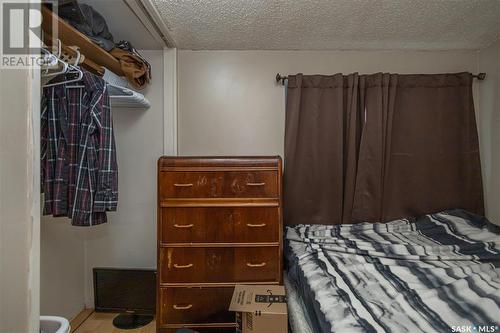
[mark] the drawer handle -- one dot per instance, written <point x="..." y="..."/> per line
<point x="250" y="225"/>
<point x="183" y="266"/>
<point x="256" y="184"/>
<point x="180" y="226"/>
<point x="262" y="264"/>
<point x="182" y="307"/>
<point x="183" y="184"/>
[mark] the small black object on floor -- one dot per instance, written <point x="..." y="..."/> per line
<point x="129" y="321"/>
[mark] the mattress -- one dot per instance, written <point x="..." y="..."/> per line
<point x="435" y="273"/>
<point x="297" y="312"/>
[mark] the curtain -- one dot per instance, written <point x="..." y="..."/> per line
<point x="379" y="147"/>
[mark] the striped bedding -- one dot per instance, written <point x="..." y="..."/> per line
<point x="435" y="273"/>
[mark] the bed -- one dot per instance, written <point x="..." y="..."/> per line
<point x="436" y="273"/>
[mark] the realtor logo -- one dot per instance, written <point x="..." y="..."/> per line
<point x="21" y="35"/>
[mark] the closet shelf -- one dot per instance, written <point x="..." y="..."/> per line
<point x="69" y="36"/>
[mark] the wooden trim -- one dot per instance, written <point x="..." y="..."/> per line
<point x="158" y="248"/>
<point x="72" y="37"/>
<point x="219" y="161"/>
<point x="221" y="325"/>
<point x="167" y="245"/>
<point x="87" y="63"/>
<point x="80" y="318"/>
<point x="280" y="212"/>
<point x="216" y="168"/>
<point x="214" y="284"/>
<point x="220" y="202"/>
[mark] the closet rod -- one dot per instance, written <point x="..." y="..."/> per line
<point x="282" y="78"/>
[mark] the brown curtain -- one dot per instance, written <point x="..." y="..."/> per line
<point x="379" y="147"/>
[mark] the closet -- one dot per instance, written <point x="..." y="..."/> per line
<point x="69" y="249"/>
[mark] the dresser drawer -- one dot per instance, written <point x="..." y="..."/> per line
<point x="218" y="184"/>
<point x="201" y="329"/>
<point x="196" y="305"/>
<point x="219" y="264"/>
<point x="220" y="225"/>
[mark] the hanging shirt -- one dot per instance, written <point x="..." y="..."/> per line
<point x="79" y="167"/>
<point x="54" y="144"/>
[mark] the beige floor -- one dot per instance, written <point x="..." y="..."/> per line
<point x="103" y="323"/>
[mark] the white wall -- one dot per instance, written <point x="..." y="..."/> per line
<point x="19" y="270"/>
<point x="129" y="237"/>
<point x="489" y="128"/>
<point x="62" y="268"/>
<point x="229" y="103"/>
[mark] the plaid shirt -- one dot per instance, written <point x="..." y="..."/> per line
<point x="79" y="169"/>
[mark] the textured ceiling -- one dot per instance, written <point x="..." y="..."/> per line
<point x="334" y="24"/>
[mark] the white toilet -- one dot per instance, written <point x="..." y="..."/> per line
<point x="52" y="324"/>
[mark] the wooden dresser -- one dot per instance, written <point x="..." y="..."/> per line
<point x="219" y="223"/>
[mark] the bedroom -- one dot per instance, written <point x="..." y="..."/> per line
<point x="213" y="92"/>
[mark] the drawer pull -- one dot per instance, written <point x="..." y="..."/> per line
<point x="183" y="184"/>
<point x="256" y="184"/>
<point x="250" y="225"/>
<point x="262" y="264"/>
<point x="183" y="266"/>
<point x="182" y="307"/>
<point x="180" y="226"/>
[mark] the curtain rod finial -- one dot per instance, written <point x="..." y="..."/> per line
<point x="481" y="76"/>
<point x="281" y="78"/>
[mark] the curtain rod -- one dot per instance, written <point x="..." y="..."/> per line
<point x="282" y="78"/>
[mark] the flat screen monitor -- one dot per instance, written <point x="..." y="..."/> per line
<point x="125" y="290"/>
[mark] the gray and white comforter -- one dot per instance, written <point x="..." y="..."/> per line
<point x="431" y="274"/>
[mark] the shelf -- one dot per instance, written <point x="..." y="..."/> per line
<point x="69" y="36"/>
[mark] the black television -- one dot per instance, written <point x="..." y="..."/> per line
<point x="126" y="290"/>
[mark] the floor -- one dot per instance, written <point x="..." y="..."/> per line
<point x="103" y="323"/>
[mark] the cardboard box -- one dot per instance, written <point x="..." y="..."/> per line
<point x="260" y="309"/>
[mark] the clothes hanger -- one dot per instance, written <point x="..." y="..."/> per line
<point x="74" y="69"/>
<point x="57" y="56"/>
<point x="77" y="62"/>
<point x="49" y="60"/>
<point x="59" y="61"/>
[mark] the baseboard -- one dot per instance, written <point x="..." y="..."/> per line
<point x="76" y="322"/>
